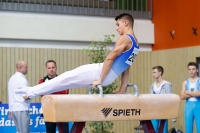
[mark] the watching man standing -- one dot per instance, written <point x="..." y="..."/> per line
<point x="19" y="104"/>
<point x="160" y="86"/>
<point x="191" y="93"/>
<point x="51" y="73"/>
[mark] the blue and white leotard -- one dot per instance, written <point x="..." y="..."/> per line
<point x="192" y="108"/>
<point x="122" y="62"/>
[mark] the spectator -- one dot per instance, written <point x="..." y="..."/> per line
<point x="160" y="86"/>
<point x="51" y="73"/>
<point x="191" y="93"/>
<point x="18" y="104"/>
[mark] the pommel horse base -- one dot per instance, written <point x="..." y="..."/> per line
<point x="110" y="107"/>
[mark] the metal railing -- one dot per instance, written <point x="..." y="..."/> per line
<point x="137" y="8"/>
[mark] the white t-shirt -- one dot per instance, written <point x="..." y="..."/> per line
<point x="192" y="87"/>
<point x="158" y="89"/>
<point x="16" y="101"/>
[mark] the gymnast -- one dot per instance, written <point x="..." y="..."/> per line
<point x="116" y="63"/>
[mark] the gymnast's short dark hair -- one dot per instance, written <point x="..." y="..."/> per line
<point x="125" y="16"/>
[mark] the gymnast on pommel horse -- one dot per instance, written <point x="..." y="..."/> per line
<point x="117" y="62"/>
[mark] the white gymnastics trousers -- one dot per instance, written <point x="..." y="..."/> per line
<point x="82" y="76"/>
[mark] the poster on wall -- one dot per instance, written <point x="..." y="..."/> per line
<point x="37" y="124"/>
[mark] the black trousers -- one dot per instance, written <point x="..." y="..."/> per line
<point x="51" y="127"/>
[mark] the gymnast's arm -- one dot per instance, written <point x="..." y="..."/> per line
<point x="183" y="94"/>
<point x="194" y="94"/>
<point x="124" y="82"/>
<point x="120" y="47"/>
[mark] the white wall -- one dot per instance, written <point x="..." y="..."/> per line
<point x="55" y="44"/>
<point x="69" y="31"/>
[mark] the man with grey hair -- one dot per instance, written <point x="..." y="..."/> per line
<point x="19" y="104"/>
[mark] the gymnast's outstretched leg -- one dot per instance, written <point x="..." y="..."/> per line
<point x="82" y="76"/>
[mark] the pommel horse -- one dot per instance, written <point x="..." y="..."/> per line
<point x="111" y="107"/>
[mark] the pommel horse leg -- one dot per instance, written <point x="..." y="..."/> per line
<point x="77" y="127"/>
<point x="62" y="127"/>
<point x="148" y="127"/>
